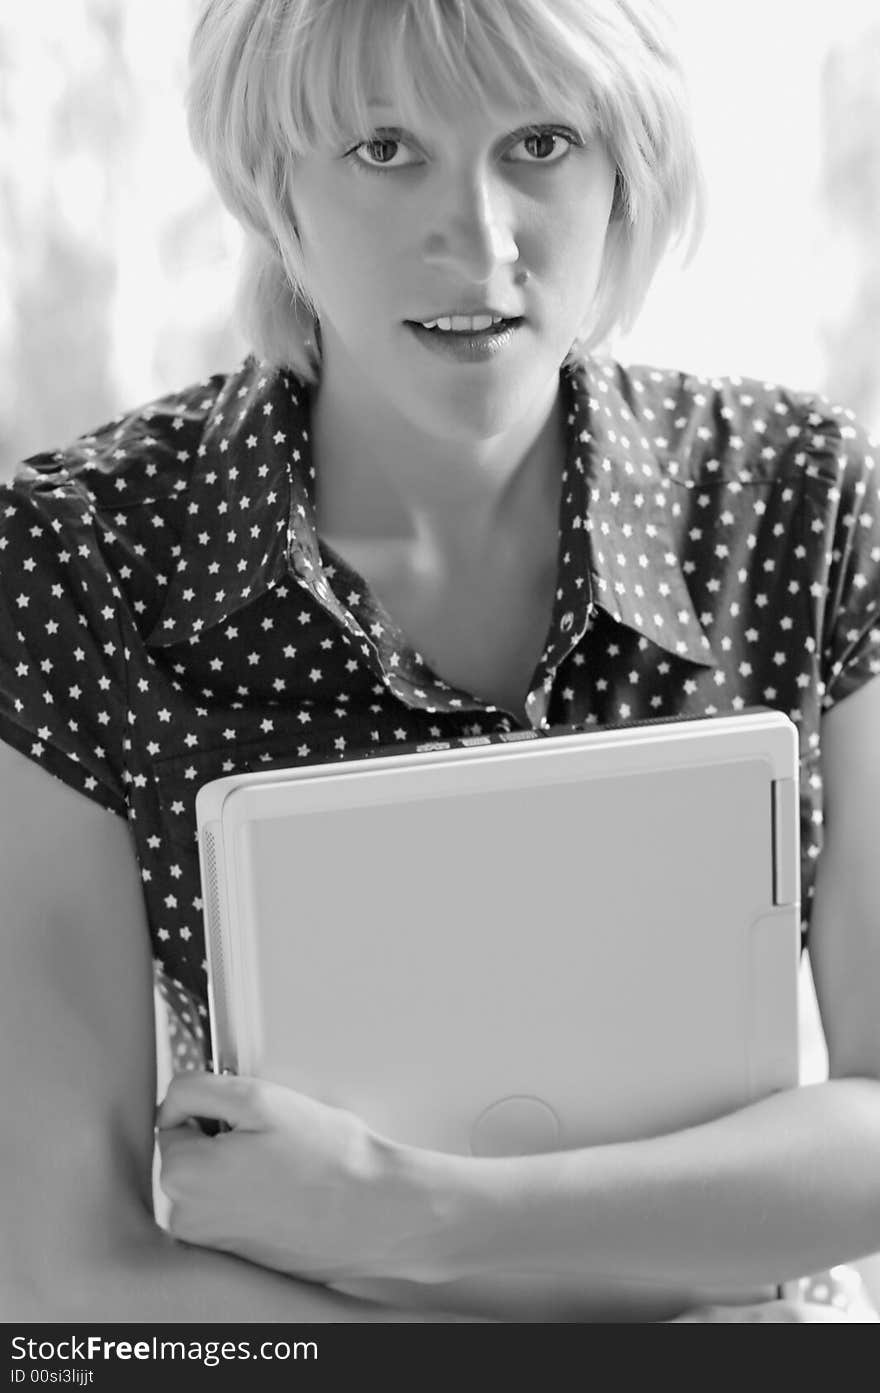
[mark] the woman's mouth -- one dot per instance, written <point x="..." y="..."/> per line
<point x="461" y="341"/>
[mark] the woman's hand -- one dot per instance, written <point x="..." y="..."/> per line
<point x="295" y="1185"/>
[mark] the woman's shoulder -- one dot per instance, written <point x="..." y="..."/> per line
<point x="147" y="453"/>
<point x="121" y="497"/>
<point x="704" y="428"/>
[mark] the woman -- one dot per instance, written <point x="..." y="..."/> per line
<point x="406" y="519"/>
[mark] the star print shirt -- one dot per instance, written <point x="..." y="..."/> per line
<point x="169" y="613"/>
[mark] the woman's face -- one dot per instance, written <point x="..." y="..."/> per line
<point x="418" y="223"/>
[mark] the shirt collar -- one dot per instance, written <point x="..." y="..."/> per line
<point x="628" y="502"/>
<point x="249" y="504"/>
<point x="250" y="523"/>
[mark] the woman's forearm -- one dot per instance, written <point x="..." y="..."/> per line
<point x="782" y="1188"/>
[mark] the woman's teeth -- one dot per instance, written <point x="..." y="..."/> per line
<point x="463" y="323"/>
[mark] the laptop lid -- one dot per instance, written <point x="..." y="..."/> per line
<point x="505" y="947"/>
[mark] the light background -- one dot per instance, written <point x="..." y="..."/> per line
<point x="786" y="98"/>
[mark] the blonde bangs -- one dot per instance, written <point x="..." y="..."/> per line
<point x="427" y="58"/>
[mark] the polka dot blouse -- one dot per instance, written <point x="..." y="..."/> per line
<point x="169" y="614"/>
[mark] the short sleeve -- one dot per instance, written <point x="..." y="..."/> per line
<point x="851" y="629"/>
<point x="63" y="699"/>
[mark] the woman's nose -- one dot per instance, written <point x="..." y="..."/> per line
<point x="471" y="234"/>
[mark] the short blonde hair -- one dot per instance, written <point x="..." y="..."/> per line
<point x="271" y="80"/>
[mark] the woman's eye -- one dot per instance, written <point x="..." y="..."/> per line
<point x="382" y="150"/>
<point x="546" y="146"/>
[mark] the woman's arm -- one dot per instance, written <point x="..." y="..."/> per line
<point x="784" y="1187"/>
<point x="77" y="1078"/>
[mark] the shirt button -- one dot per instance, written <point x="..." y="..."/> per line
<point x="567" y="621"/>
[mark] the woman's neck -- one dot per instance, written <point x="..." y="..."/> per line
<point x="380" y="479"/>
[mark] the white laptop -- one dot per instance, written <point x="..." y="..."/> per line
<point x="506" y="945"/>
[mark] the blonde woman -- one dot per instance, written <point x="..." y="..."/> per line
<point x="423" y="507"/>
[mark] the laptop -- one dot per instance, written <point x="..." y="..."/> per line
<point x="506" y="945"/>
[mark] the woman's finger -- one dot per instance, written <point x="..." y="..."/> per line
<point x="179" y="1143"/>
<point x="221" y="1097"/>
<point x="183" y="1159"/>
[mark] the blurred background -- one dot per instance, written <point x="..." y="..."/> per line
<point x="117" y="261"/>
